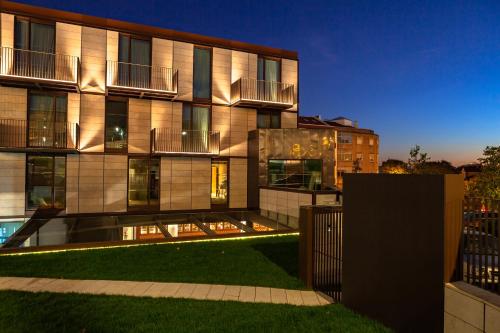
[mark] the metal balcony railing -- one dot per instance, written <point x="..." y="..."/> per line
<point x="175" y="141"/>
<point x="141" y="77"/>
<point x="38" y="65"/>
<point x="258" y="92"/>
<point x="38" y="134"/>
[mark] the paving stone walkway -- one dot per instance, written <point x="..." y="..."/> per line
<point x="166" y="289"/>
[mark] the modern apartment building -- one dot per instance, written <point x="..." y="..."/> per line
<point x="357" y="148"/>
<point x="103" y="117"/>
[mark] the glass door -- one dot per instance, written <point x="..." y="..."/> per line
<point x="269" y="76"/>
<point x="47" y="121"/>
<point x="219" y="185"/>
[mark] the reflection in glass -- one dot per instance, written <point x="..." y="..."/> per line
<point x="144" y="183"/>
<point x="268" y="119"/>
<point x="219" y="185"/>
<point x="46" y="182"/>
<point x="303" y="174"/>
<point x="134" y="57"/>
<point x="201" y="74"/>
<point x="116" y="126"/>
<point x="47" y="121"/>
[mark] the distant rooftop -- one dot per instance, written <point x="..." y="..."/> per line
<point x="337" y="123"/>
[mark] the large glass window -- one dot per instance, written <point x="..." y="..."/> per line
<point x="38" y="37"/>
<point x="268" y="119"/>
<point x="116" y="126"/>
<point x="144" y="183"/>
<point x="303" y="174"/>
<point x="47" y="120"/>
<point x="46" y="182"/>
<point x="268" y="70"/>
<point x="134" y="57"/>
<point x="219" y="187"/>
<point x="195" y="127"/>
<point x="202" y="68"/>
<point x="345" y="138"/>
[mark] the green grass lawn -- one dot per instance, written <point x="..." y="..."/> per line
<point x="45" y="312"/>
<point x="266" y="261"/>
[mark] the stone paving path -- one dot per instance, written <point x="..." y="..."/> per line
<point x="166" y="289"/>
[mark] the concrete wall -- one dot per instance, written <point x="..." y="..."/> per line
<point x="139" y="125"/>
<point x="470" y="309"/>
<point x="13" y="103"/>
<point x="7" y="33"/>
<point x="12" y="184"/>
<point x="283" y="206"/>
<point x="183" y="61"/>
<point x="93" y="61"/>
<point x="221" y="76"/>
<point x="289" y="74"/>
<point x="185" y="183"/>
<point x="237" y="183"/>
<point x="92" y="122"/>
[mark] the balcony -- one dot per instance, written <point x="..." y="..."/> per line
<point x="169" y="141"/>
<point x="141" y="80"/>
<point x="23" y="136"/>
<point x="43" y="70"/>
<point x="259" y="93"/>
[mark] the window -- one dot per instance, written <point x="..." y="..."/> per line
<point x="47" y="120"/>
<point x="303" y="174"/>
<point x="372" y="157"/>
<point x="144" y="183"/>
<point x="45" y="182"/>
<point x="371" y="141"/>
<point x="268" y="70"/>
<point x="268" y="119"/>
<point x="7" y="229"/>
<point x="38" y="37"/>
<point x="134" y="60"/>
<point x="345" y="156"/>
<point x="345" y="138"/>
<point x="359" y="140"/>
<point x="219" y="187"/>
<point x="195" y="127"/>
<point x="359" y="156"/>
<point x="202" y="69"/>
<point x="116" y="126"/>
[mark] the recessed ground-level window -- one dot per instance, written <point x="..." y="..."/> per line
<point x="144" y="183"/>
<point x="45" y="182"/>
<point x="303" y="174"/>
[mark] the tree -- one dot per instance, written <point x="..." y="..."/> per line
<point x="394" y="167"/>
<point x="436" y="168"/>
<point x="417" y="160"/>
<point x="487" y="183"/>
<point x="356" y="166"/>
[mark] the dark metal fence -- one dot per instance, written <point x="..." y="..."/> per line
<point x="321" y="249"/>
<point x="177" y="141"/>
<point x="253" y="90"/>
<point x="39" y="65"/>
<point x="16" y="133"/>
<point x="481" y="243"/>
<point x="127" y="75"/>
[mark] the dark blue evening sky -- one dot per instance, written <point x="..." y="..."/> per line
<point x="425" y="72"/>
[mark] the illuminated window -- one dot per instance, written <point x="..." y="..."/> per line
<point x="305" y="174"/>
<point x="372" y="157"/>
<point x="345" y="156"/>
<point x="359" y="156"/>
<point x="371" y="141"/>
<point x="219" y="185"/>
<point x="359" y="140"/>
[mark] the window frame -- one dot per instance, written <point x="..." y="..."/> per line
<point x="202" y="100"/>
<point x="33" y="20"/>
<point x="263" y="58"/>
<point x="116" y="99"/>
<point x="303" y="160"/>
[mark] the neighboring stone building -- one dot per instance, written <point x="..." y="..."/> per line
<point x="357" y="148"/>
